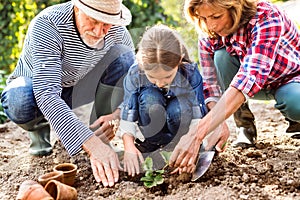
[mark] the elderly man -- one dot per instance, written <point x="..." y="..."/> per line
<point x="74" y="53"/>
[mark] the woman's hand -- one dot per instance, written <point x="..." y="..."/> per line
<point x="223" y="134"/>
<point x="185" y="153"/>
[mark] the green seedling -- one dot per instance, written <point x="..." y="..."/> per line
<point x="154" y="177"/>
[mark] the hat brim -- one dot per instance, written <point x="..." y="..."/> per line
<point x="123" y="19"/>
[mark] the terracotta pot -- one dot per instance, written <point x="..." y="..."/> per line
<point x="32" y="190"/>
<point x="69" y="170"/>
<point x="61" y="191"/>
<point x="55" y="175"/>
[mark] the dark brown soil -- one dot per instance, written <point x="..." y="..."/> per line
<point x="271" y="170"/>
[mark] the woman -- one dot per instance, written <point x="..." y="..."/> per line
<point x="251" y="50"/>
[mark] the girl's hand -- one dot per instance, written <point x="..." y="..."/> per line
<point x="132" y="161"/>
<point x="132" y="156"/>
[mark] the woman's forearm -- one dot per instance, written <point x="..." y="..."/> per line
<point x="230" y="101"/>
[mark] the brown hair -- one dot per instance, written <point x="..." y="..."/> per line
<point x="162" y="47"/>
<point x="241" y="12"/>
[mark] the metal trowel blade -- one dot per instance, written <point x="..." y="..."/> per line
<point x="205" y="159"/>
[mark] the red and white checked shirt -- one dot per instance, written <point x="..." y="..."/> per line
<point x="268" y="48"/>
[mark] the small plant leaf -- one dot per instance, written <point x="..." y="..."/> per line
<point x="161" y="171"/>
<point x="158" y="179"/>
<point x="166" y="156"/>
<point x="149" y="184"/>
<point x="153" y="178"/>
<point x="147" y="179"/>
<point x="149" y="173"/>
<point x="148" y="164"/>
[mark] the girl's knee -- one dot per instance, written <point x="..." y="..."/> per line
<point x="151" y="96"/>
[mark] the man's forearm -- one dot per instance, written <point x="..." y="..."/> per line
<point x="116" y="114"/>
<point x="90" y="144"/>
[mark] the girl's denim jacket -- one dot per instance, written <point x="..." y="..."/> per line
<point x="186" y="84"/>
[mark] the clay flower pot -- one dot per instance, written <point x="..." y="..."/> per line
<point x="69" y="170"/>
<point x="55" y="175"/>
<point x="32" y="190"/>
<point x="61" y="191"/>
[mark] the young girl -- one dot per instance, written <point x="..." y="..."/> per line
<point x="163" y="96"/>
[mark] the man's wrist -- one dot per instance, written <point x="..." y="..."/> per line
<point x="89" y="145"/>
<point x="116" y="114"/>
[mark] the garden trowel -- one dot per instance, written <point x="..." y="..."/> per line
<point x="205" y="158"/>
<point x="206" y="153"/>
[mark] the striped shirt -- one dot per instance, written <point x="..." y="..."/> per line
<point x="55" y="57"/>
<point x="268" y="48"/>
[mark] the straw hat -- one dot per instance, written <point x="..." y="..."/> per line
<point x="108" y="11"/>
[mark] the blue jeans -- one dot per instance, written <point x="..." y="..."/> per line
<point x="286" y="96"/>
<point x="161" y="119"/>
<point x="18" y="99"/>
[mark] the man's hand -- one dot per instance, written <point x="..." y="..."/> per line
<point x="106" y="126"/>
<point x="104" y="161"/>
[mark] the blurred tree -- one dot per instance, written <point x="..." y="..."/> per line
<point x="14" y="19"/>
<point x="186" y="30"/>
<point x="146" y="13"/>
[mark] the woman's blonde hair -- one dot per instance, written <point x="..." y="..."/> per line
<point x="241" y="12"/>
<point x="162" y="47"/>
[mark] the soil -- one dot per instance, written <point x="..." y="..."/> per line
<point x="270" y="170"/>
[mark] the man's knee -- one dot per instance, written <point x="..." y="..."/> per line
<point x="18" y="101"/>
<point x="123" y="56"/>
<point x="119" y="59"/>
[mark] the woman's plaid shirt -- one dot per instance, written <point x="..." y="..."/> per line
<point x="268" y="48"/>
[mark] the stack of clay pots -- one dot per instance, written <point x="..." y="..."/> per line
<point x="55" y="185"/>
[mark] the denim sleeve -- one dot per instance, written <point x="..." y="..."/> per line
<point x="129" y="109"/>
<point x="196" y="82"/>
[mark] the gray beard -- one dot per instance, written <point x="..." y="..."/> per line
<point x="98" y="45"/>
